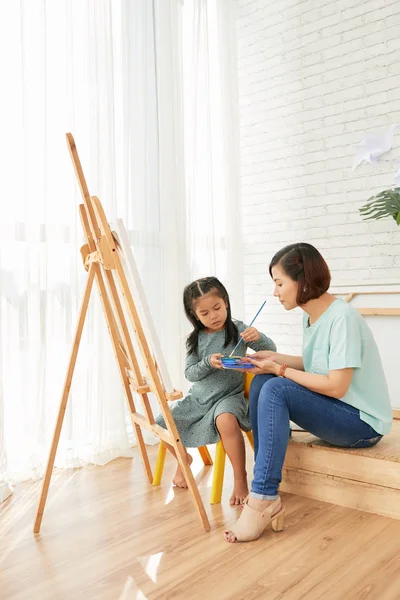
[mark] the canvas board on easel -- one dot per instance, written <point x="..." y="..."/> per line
<point x="135" y="283"/>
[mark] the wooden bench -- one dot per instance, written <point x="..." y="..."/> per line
<point x="366" y="478"/>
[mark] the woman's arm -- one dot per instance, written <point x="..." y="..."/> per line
<point x="335" y="384"/>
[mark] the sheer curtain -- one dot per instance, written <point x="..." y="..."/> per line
<point x="211" y="144"/>
<point x="148" y="88"/>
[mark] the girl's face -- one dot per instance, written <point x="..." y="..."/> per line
<point x="285" y="288"/>
<point x="211" y="310"/>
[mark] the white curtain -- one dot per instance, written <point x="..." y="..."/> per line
<point x="148" y="89"/>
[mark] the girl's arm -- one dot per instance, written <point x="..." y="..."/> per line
<point x="263" y="343"/>
<point x="196" y="369"/>
<point x="254" y="339"/>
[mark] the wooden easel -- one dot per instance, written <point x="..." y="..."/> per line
<point x="102" y="262"/>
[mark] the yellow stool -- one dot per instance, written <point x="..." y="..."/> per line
<point x="220" y="456"/>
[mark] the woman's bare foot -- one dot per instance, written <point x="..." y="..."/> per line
<point x="179" y="479"/>
<point x="240" y="491"/>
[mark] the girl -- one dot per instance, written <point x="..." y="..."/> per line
<point x="215" y="405"/>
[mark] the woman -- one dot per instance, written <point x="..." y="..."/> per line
<point x="335" y="390"/>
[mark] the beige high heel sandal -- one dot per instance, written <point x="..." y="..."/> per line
<point x="252" y="523"/>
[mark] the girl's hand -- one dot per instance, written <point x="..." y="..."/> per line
<point x="215" y="361"/>
<point x="264" y="366"/>
<point x="250" y="334"/>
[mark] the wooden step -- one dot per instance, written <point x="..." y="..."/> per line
<point x="367" y="479"/>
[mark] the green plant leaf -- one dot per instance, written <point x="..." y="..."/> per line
<point x="382" y="205"/>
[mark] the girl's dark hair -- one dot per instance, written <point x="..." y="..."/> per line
<point x="305" y="265"/>
<point x="200" y="288"/>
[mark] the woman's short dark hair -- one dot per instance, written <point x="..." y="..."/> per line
<point x="305" y="265"/>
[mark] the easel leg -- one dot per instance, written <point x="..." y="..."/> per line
<point x="112" y="327"/>
<point x="191" y="482"/>
<point x="126" y="339"/>
<point x="64" y="399"/>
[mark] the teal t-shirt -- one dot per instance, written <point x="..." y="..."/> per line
<point x="341" y="339"/>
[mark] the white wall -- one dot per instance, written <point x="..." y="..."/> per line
<point x="313" y="77"/>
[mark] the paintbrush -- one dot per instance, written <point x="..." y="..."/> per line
<point x="241" y="339"/>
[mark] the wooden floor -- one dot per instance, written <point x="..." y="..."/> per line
<point x="108" y="535"/>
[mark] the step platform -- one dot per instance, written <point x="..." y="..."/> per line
<point x="367" y="479"/>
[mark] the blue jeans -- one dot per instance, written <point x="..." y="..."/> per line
<point x="274" y="401"/>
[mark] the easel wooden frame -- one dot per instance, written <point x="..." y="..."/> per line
<point x="102" y="262"/>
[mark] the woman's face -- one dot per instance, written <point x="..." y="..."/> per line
<point x="285" y="288"/>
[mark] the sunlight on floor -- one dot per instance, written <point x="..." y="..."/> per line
<point x="151" y="564"/>
<point x="197" y="464"/>
<point x="130" y="591"/>
<point x="170" y="496"/>
<point x="12" y="516"/>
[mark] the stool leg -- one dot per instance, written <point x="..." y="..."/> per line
<point x="158" y="471"/>
<point x="205" y="455"/>
<point x="250" y="437"/>
<point x="218" y="474"/>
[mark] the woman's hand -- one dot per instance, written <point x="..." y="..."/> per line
<point x="263" y="366"/>
<point x="215" y="361"/>
<point x="263" y="355"/>
<point x="251" y="334"/>
<point x="294" y="362"/>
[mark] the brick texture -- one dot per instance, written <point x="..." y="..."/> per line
<point x="313" y="77"/>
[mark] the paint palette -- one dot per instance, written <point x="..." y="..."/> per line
<point x="235" y="362"/>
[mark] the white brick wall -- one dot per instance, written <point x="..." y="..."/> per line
<point x="313" y="77"/>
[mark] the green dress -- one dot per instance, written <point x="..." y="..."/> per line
<point x="214" y="391"/>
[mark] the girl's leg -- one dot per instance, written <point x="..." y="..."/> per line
<point x="179" y="478"/>
<point x="232" y="439"/>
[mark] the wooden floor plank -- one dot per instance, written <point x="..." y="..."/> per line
<point x="108" y="535"/>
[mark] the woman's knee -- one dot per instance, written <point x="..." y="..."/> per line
<point x="273" y="389"/>
<point x="257" y="384"/>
